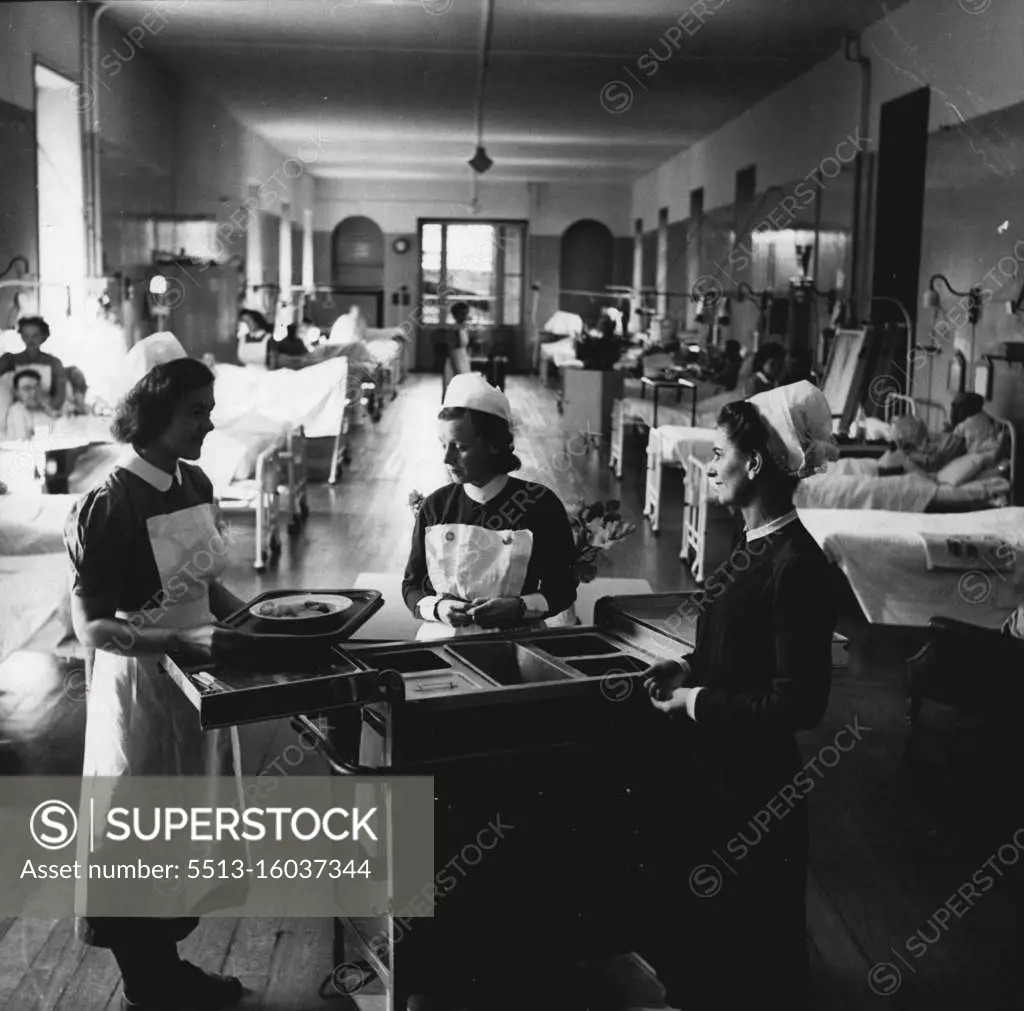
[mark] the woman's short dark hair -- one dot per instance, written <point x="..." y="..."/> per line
<point x="493" y="430"/>
<point x="36" y="321"/>
<point x="458" y="309"/>
<point x="26" y="374"/>
<point x="258" y="319"/>
<point x="148" y="408"/>
<point x="742" y="423"/>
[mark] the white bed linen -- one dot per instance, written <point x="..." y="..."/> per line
<point x="679" y="412"/>
<point x="34" y="590"/>
<point x="229" y="454"/>
<point x="677" y="443"/>
<point x="33" y="524"/>
<point x="562" y="353"/>
<point x="313" y="397"/>
<point x="883" y="557"/>
<point x="855" y="484"/>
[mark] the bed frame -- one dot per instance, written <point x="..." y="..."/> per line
<point x="708" y="527"/>
<point x="281" y="466"/>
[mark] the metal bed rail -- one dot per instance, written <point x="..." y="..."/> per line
<point x="261" y="496"/>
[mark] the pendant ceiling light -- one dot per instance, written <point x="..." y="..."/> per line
<point x="481" y="162"/>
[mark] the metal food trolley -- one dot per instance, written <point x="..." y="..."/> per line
<point x="548" y="737"/>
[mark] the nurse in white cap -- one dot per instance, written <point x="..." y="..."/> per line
<point x="146" y="554"/>
<point x="489" y="551"/>
<point x="759" y="673"/>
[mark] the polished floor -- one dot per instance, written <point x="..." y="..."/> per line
<point x="900" y="823"/>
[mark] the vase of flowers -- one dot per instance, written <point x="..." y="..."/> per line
<point x="596" y="527"/>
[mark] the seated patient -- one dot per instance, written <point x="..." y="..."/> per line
<point x="766" y="370"/>
<point x="35" y="331"/>
<point x="728" y="375"/>
<point x="973" y="431"/>
<point x="29" y="412"/>
<point x="78" y="389"/>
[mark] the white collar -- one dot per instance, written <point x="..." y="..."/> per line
<point x="772" y="526"/>
<point x="154" y="476"/>
<point x="488" y="491"/>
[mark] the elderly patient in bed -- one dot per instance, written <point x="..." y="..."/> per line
<point x="974" y="444"/>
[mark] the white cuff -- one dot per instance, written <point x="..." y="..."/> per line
<point x="691" y="703"/>
<point x="536" y="605"/>
<point x="426" y="607"/>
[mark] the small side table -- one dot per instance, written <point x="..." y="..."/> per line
<point x="649" y="383"/>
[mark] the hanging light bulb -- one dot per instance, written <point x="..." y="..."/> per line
<point x="480" y="162"/>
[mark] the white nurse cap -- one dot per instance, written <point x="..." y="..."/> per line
<point x="799" y="422"/>
<point x="156" y="349"/>
<point x="471" y="390"/>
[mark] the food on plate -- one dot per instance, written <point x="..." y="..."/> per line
<point x="302" y="609"/>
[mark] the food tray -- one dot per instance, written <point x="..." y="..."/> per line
<point x="330" y="629"/>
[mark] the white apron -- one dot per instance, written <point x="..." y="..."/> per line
<point x="138" y="723"/>
<point x="470" y="561"/>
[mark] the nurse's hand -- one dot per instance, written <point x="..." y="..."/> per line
<point x="676" y="700"/>
<point x="498" y="612"/>
<point x="663" y="678"/>
<point x="209" y="642"/>
<point x="453" y="612"/>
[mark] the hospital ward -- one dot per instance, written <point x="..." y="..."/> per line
<point x="511" y="506"/>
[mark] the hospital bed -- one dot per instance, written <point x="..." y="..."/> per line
<point x="857" y="500"/>
<point x="695" y="406"/>
<point x="34" y="587"/>
<point x="885" y="558"/>
<point x="859" y="484"/>
<point x="258" y="447"/>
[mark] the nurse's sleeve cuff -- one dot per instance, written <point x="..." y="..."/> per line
<point x="426" y="607"/>
<point x="536" y="605"/>
<point x="691" y="703"/>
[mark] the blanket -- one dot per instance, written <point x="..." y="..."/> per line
<point x="883" y="556"/>
<point x="33" y="524"/>
<point x="313" y="396"/>
<point x="34" y="591"/>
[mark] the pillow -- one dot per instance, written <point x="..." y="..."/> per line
<point x="962" y="469"/>
<point x="979" y="433"/>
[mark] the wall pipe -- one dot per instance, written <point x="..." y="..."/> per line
<point x="854" y="54"/>
<point x="95" y="151"/>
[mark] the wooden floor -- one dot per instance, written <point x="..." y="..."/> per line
<point x="898" y="825"/>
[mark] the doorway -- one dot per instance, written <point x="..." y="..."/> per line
<point x="587" y="264"/>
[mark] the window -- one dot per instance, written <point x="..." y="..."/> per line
<point x="186" y="239"/>
<point x="479" y="263"/>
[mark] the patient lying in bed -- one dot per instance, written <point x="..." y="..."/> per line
<point x="973" y="448"/>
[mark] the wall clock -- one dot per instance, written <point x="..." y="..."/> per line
<point x="400" y="246"/>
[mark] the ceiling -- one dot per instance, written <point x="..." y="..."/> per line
<point x="391" y="85"/>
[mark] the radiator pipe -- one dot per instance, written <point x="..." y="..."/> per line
<point x="854" y="55"/>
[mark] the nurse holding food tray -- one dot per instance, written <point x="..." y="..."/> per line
<point x="146" y="554"/>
